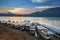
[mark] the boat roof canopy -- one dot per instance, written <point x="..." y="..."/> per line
<point x="40" y="27"/>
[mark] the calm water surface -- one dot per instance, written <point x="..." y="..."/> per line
<point x="50" y="21"/>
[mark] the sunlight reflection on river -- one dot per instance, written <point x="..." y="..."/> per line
<point x="50" y="21"/>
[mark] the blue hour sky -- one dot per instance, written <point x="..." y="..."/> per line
<point x="24" y="5"/>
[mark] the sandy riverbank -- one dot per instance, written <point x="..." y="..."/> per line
<point x="11" y="34"/>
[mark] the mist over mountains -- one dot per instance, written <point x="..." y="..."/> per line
<point x="51" y="12"/>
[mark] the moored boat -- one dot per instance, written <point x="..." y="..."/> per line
<point x="32" y="28"/>
<point x="43" y="32"/>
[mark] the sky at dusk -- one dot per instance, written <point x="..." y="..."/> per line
<point x="26" y="6"/>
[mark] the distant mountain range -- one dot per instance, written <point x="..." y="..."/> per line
<point x="51" y="12"/>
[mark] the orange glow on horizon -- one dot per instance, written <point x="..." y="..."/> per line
<point x="19" y="11"/>
<point x="3" y="11"/>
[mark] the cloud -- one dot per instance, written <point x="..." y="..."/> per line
<point x="3" y="11"/>
<point x="25" y="10"/>
<point x="45" y="6"/>
<point x="21" y="10"/>
<point x="40" y="1"/>
<point x="41" y="8"/>
<point x="18" y="10"/>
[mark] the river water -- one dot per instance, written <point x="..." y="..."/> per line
<point x="49" y="21"/>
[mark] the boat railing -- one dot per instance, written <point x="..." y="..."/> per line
<point x="50" y="29"/>
<point x="58" y="37"/>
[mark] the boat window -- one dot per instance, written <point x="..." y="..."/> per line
<point x="32" y="24"/>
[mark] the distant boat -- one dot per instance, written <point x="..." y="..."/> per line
<point x="45" y="33"/>
<point x="15" y="24"/>
<point x="9" y="22"/>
